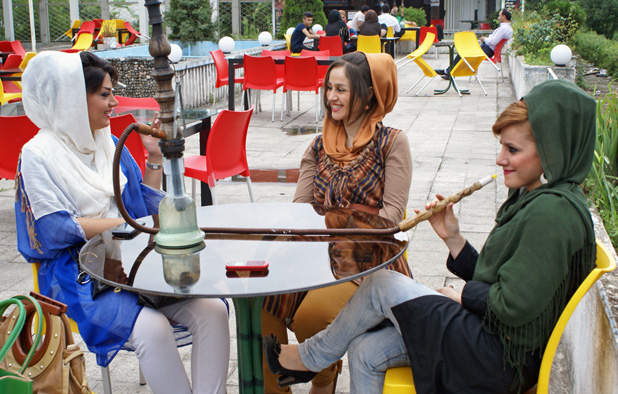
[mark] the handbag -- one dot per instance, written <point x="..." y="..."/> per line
<point x="15" y="382"/>
<point x="57" y="366"/>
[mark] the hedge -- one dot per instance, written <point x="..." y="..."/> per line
<point x="599" y="50"/>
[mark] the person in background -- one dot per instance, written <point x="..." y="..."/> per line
<point x="337" y="27"/>
<point x="359" y="18"/>
<point x="65" y="197"/>
<point x="358" y="163"/>
<point x="488" y="44"/>
<point x="390" y="21"/>
<point x="371" y="26"/>
<point x="490" y="336"/>
<point x="301" y="33"/>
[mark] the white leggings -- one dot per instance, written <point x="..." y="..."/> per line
<point x="155" y="346"/>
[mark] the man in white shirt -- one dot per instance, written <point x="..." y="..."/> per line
<point x="359" y="18"/>
<point x="488" y="45"/>
<point x="387" y="19"/>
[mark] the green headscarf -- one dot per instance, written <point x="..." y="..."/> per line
<point x="543" y="244"/>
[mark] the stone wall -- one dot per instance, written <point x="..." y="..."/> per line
<point x="525" y="77"/>
<point x="135" y="73"/>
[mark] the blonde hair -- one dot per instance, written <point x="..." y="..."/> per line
<point x="515" y="113"/>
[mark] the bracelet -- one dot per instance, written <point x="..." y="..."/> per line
<point x="154" y="166"/>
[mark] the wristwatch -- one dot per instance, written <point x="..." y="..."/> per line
<point x="154" y="166"/>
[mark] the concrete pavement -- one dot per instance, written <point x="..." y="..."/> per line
<point x="452" y="147"/>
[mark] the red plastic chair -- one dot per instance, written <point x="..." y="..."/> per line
<point x="497" y="58"/>
<point x="15" y="132"/>
<point x="423" y="32"/>
<point x="261" y="74"/>
<point x="18" y="49"/>
<point x="226" y="153"/>
<point x="134" y="34"/>
<point x="5" y="46"/>
<point x="221" y="66"/>
<point x="484" y="26"/>
<point x="83" y="39"/>
<point x="118" y="124"/>
<point x="277" y="55"/>
<point x="325" y="54"/>
<point x="333" y="44"/>
<point x="130" y="103"/>
<point x="12" y="61"/>
<point x="301" y="74"/>
<point x="437" y="22"/>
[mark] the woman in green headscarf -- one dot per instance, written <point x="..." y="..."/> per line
<point x="490" y="337"/>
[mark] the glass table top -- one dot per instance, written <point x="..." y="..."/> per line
<point x="295" y="263"/>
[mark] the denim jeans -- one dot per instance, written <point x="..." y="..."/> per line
<point x="371" y="352"/>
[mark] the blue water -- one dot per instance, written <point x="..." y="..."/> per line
<point x="194" y="50"/>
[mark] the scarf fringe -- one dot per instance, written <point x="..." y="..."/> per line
<point x="532" y="338"/>
<point x="20" y="194"/>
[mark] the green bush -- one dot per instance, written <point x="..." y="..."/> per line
<point x="293" y="14"/>
<point x="190" y="20"/>
<point x="567" y="9"/>
<point x="492" y="19"/>
<point x="417" y="15"/>
<point x="602" y="182"/>
<point x="601" y="16"/>
<point x="599" y="50"/>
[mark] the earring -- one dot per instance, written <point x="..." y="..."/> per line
<point x="366" y="107"/>
<point x="543" y="179"/>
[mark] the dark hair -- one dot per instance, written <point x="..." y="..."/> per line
<point x="506" y="13"/>
<point x="516" y="113"/>
<point x="386" y="9"/>
<point x="308" y="14"/>
<point x="95" y="70"/>
<point x="371" y="16"/>
<point x="365" y="8"/>
<point x="357" y="70"/>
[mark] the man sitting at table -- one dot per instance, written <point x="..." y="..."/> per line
<point x="358" y="20"/>
<point x="488" y="45"/>
<point x="301" y="32"/>
<point x="390" y="21"/>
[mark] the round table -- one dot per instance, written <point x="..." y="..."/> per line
<point x="295" y="263"/>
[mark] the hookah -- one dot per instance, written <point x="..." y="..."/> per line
<point x="178" y="238"/>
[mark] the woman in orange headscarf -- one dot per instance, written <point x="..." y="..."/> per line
<point x="358" y="163"/>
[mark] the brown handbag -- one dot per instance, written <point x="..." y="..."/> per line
<point x="58" y="365"/>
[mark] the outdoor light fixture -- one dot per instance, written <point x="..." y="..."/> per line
<point x="265" y="38"/>
<point x="289" y="31"/>
<point x="316" y="28"/>
<point x="561" y="55"/>
<point x="175" y="54"/>
<point x="226" y="44"/>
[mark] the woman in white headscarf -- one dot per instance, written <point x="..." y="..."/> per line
<point x="65" y="197"/>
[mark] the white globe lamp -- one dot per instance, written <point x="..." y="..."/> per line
<point x="561" y="55"/>
<point x="265" y="38"/>
<point x="175" y="54"/>
<point x="289" y="31"/>
<point x="226" y="44"/>
<point x="316" y="28"/>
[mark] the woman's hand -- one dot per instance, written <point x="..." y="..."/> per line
<point x="450" y="293"/>
<point x="446" y="226"/>
<point x="151" y="143"/>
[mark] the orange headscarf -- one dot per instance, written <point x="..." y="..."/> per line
<point x="384" y="80"/>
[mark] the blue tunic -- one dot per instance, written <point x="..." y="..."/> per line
<point x="106" y="322"/>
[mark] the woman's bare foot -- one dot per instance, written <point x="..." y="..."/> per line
<point x="290" y="358"/>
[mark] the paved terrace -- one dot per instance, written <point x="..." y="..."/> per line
<point x="452" y="146"/>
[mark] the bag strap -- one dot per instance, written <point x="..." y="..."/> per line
<point x="21" y="317"/>
<point x="18" y="328"/>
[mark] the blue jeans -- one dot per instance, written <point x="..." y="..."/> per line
<point x="371" y="353"/>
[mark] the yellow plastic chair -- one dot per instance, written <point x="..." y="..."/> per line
<point x="471" y="55"/>
<point x="24" y="62"/>
<point x="75" y="25"/>
<point x="119" y="23"/>
<point x="369" y="44"/>
<point x="398" y="380"/>
<point x="82" y="43"/>
<point x="105" y="376"/>
<point x="5" y="97"/>
<point x="417" y="58"/>
<point x="288" y="39"/>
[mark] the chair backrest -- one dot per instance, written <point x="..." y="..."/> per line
<point x="604" y="263"/>
<point x="18" y="49"/>
<point x="87" y="27"/>
<point x="12" y="61"/>
<point x="424" y="30"/>
<point x="15" y="132"/>
<point x="26" y="59"/>
<point x="484" y="26"/>
<point x="369" y="44"/>
<point x="275" y="54"/>
<point x="288" y="40"/>
<point x="316" y="54"/>
<point x="390" y="32"/>
<point x="226" y="153"/>
<point x="221" y="66"/>
<point x="134" y="143"/>
<point x="471" y="54"/>
<point x="260" y="73"/>
<point x="130" y="28"/>
<point x="333" y="44"/>
<point x="424" y="47"/>
<point x="12" y="94"/>
<point x="437" y="22"/>
<point x="301" y="73"/>
<point x="497" y="58"/>
<point x="5" y="46"/>
<point x="130" y="103"/>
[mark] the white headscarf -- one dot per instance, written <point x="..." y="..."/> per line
<point x="64" y="167"/>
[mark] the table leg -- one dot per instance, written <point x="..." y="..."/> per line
<point x="451" y="55"/>
<point x="204" y="188"/>
<point x="231" y="92"/>
<point x="249" y="343"/>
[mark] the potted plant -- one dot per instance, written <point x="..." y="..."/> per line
<point x="108" y="33"/>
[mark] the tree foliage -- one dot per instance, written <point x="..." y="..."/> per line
<point x="190" y="20"/>
<point x="602" y="16"/>
<point x="293" y="13"/>
<point x="417" y="15"/>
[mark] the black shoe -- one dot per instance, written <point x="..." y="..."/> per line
<point x="440" y="71"/>
<point x="272" y="349"/>
<point x="445" y="77"/>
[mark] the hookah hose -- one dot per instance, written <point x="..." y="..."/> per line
<point x="404" y="225"/>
